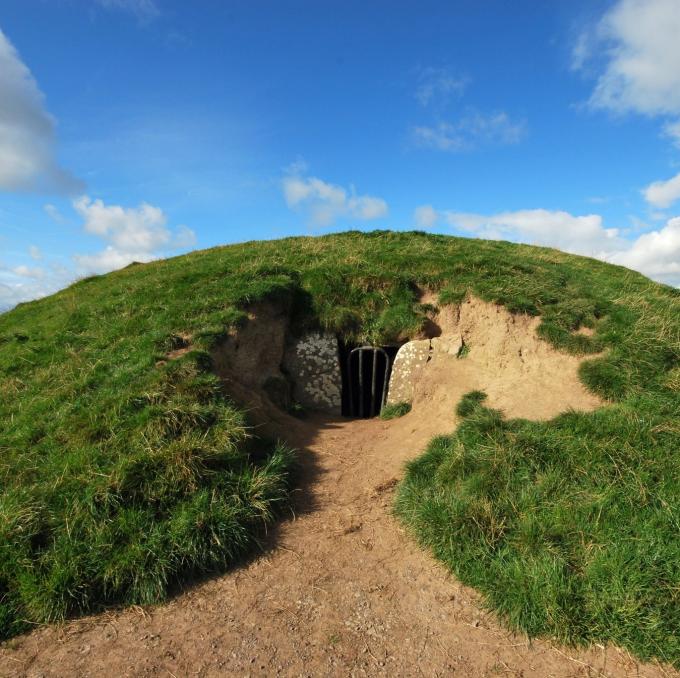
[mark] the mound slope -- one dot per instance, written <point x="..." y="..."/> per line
<point x="125" y="473"/>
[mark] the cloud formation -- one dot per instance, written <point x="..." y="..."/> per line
<point x="655" y="254"/>
<point x="472" y="131"/>
<point x="437" y="86"/>
<point x="22" y="283"/>
<point x="638" y="40"/>
<point x="465" y="130"/>
<point x="325" y="203"/>
<point x="636" y="48"/>
<point x="131" y="233"/>
<point x="27" y="132"/>
<point x="672" y="131"/>
<point x="576" y="234"/>
<point x="54" y="213"/>
<point x="663" y="194"/>
<point x="144" y="10"/>
<point x="425" y="216"/>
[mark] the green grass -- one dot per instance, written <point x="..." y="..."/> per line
<point x="469" y="403"/>
<point x="123" y="476"/>
<point x="395" y="410"/>
<point x="463" y="351"/>
<point x="569" y="528"/>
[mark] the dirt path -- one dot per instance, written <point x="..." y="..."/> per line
<point x="340" y="591"/>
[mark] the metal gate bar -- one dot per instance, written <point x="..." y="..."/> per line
<point x="375" y="404"/>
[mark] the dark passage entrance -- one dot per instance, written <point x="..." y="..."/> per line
<point x="365" y="379"/>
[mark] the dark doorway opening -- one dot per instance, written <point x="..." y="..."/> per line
<point x="365" y="378"/>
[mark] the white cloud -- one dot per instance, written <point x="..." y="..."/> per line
<point x="27" y="138"/>
<point x="325" y="203"/>
<point x="425" y="216"/>
<point x="142" y="9"/>
<point x="129" y="233"/>
<point x="22" y="283"/>
<point x="470" y="132"/>
<point x="672" y="130"/>
<point x="663" y="194"/>
<point x="583" y="48"/>
<point x="129" y="229"/>
<point x="437" y="86"/>
<point x="132" y="234"/>
<point x="14" y="293"/>
<point x="656" y="254"/>
<point x="470" y="129"/>
<point x="110" y="259"/>
<point x="576" y="234"/>
<point x="640" y="45"/>
<point x="54" y="213"/>
<point x="599" y="199"/>
<point x="9" y="297"/>
<point x="184" y="238"/>
<point x="24" y="271"/>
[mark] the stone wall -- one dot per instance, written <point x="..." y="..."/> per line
<point x="312" y="364"/>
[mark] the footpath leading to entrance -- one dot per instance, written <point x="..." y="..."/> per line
<point x="341" y="590"/>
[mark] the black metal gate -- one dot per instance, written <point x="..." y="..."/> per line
<point x="367" y="366"/>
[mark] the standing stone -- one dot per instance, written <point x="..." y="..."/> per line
<point x="313" y="365"/>
<point x="408" y="363"/>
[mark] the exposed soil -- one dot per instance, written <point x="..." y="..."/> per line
<point x="340" y="589"/>
<point x="521" y="374"/>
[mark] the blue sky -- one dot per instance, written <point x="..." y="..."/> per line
<point x="137" y="129"/>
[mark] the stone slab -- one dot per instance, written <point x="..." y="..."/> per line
<point x="409" y="361"/>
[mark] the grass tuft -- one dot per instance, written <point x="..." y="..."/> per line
<point x="469" y="403"/>
<point x="395" y="410"/>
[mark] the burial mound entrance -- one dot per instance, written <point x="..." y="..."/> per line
<point x="477" y="345"/>
<point x="366" y="372"/>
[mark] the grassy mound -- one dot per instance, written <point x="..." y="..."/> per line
<point x="122" y="475"/>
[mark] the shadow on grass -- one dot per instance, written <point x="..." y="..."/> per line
<point x="270" y="425"/>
